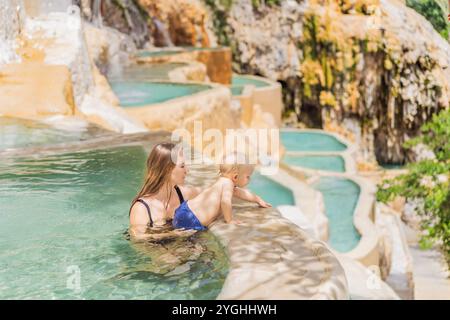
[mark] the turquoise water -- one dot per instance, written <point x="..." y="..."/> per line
<point x="238" y="83"/>
<point x="326" y="163"/>
<point x="20" y="133"/>
<point x="144" y="54"/>
<point x="135" y="93"/>
<point x="68" y="212"/>
<point x="310" y="141"/>
<point x="144" y="72"/>
<point x="270" y="191"/>
<point x="340" y="197"/>
<point x="236" y="90"/>
<point x="204" y="48"/>
<point x="159" y="53"/>
<point x="243" y="80"/>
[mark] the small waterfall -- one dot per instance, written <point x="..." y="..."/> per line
<point x="11" y="22"/>
<point x="162" y="31"/>
<point x="97" y="13"/>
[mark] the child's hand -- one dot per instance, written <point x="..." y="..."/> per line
<point x="235" y="221"/>
<point x="262" y="203"/>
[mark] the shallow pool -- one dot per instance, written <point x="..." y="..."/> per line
<point x="340" y="197"/>
<point x="242" y="80"/>
<point x="270" y="191"/>
<point x="141" y="93"/>
<point x="310" y="141"/>
<point x="190" y="48"/>
<point x="21" y="133"/>
<point x="157" y="53"/>
<point x="238" y="82"/>
<point x="326" y="163"/>
<point x="144" y="72"/>
<point x="65" y="215"/>
<point x="160" y="53"/>
<point x="236" y="90"/>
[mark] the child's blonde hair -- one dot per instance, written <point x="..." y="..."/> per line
<point x="234" y="163"/>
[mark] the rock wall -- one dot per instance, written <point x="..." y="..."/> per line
<point x="372" y="68"/>
<point x="154" y="22"/>
<point x="186" y="22"/>
<point x="57" y="73"/>
<point x="108" y="48"/>
<point x="25" y="95"/>
<point x="124" y="15"/>
<point x="57" y="39"/>
<point x="11" y="22"/>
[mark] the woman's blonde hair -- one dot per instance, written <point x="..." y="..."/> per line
<point x="160" y="163"/>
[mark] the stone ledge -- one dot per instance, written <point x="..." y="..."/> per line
<point x="269" y="98"/>
<point x="211" y="106"/>
<point x="271" y="258"/>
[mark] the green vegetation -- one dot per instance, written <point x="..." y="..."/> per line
<point x="220" y="10"/>
<point x="434" y="11"/>
<point x="258" y="3"/>
<point x="428" y="181"/>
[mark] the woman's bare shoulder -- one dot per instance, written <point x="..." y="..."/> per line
<point x="138" y="214"/>
<point x="189" y="192"/>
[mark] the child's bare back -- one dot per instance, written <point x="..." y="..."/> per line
<point x="206" y="207"/>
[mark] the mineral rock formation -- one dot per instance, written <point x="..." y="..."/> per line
<point x="375" y="67"/>
<point x="184" y="21"/>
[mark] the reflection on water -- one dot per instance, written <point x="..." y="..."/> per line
<point x="67" y="211"/>
<point x="21" y="133"/>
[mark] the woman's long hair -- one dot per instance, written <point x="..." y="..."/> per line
<point x="160" y="163"/>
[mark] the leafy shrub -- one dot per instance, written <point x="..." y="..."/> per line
<point x="428" y="181"/>
<point x="434" y="11"/>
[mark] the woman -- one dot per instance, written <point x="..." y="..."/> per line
<point x="163" y="192"/>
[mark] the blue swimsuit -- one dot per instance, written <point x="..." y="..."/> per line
<point x="185" y="218"/>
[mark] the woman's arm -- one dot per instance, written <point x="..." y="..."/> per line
<point x="138" y="221"/>
<point x="247" y="195"/>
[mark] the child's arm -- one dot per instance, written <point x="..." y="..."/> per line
<point x="245" y="194"/>
<point x="225" y="201"/>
